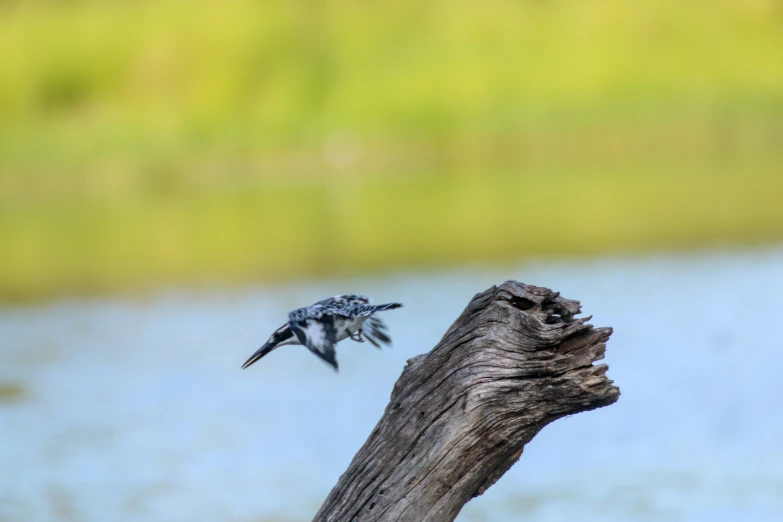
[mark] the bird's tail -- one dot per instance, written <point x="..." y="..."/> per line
<point x="371" y="309"/>
<point x="375" y="331"/>
<point x="278" y="338"/>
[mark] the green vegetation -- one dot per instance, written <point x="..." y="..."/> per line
<point x="150" y="143"/>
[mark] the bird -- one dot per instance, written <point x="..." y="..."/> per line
<point x="327" y="322"/>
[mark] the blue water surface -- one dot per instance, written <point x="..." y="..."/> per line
<point x="136" y="409"/>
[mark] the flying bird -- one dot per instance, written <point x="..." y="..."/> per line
<point x="322" y="325"/>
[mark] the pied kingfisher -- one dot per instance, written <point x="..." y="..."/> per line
<point x="322" y="325"/>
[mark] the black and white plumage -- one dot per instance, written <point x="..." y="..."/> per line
<point x="322" y="325"/>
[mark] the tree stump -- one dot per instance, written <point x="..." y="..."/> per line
<point x="459" y="416"/>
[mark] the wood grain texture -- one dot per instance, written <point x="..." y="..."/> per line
<point x="459" y="417"/>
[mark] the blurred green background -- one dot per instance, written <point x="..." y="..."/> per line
<point x="188" y="142"/>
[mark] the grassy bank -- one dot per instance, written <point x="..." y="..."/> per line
<point x="177" y="142"/>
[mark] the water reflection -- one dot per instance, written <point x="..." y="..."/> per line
<point x="10" y="392"/>
<point x="137" y="410"/>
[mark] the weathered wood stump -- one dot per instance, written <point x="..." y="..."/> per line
<point x="459" y="417"/>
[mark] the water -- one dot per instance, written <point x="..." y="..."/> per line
<point x="136" y="410"/>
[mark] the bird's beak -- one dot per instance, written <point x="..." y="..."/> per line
<point x="258" y="354"/>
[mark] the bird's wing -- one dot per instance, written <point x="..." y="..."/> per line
<point x="319" y="335"/>
<point x="340" y="305"/>
<point x="282" y="334"/>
